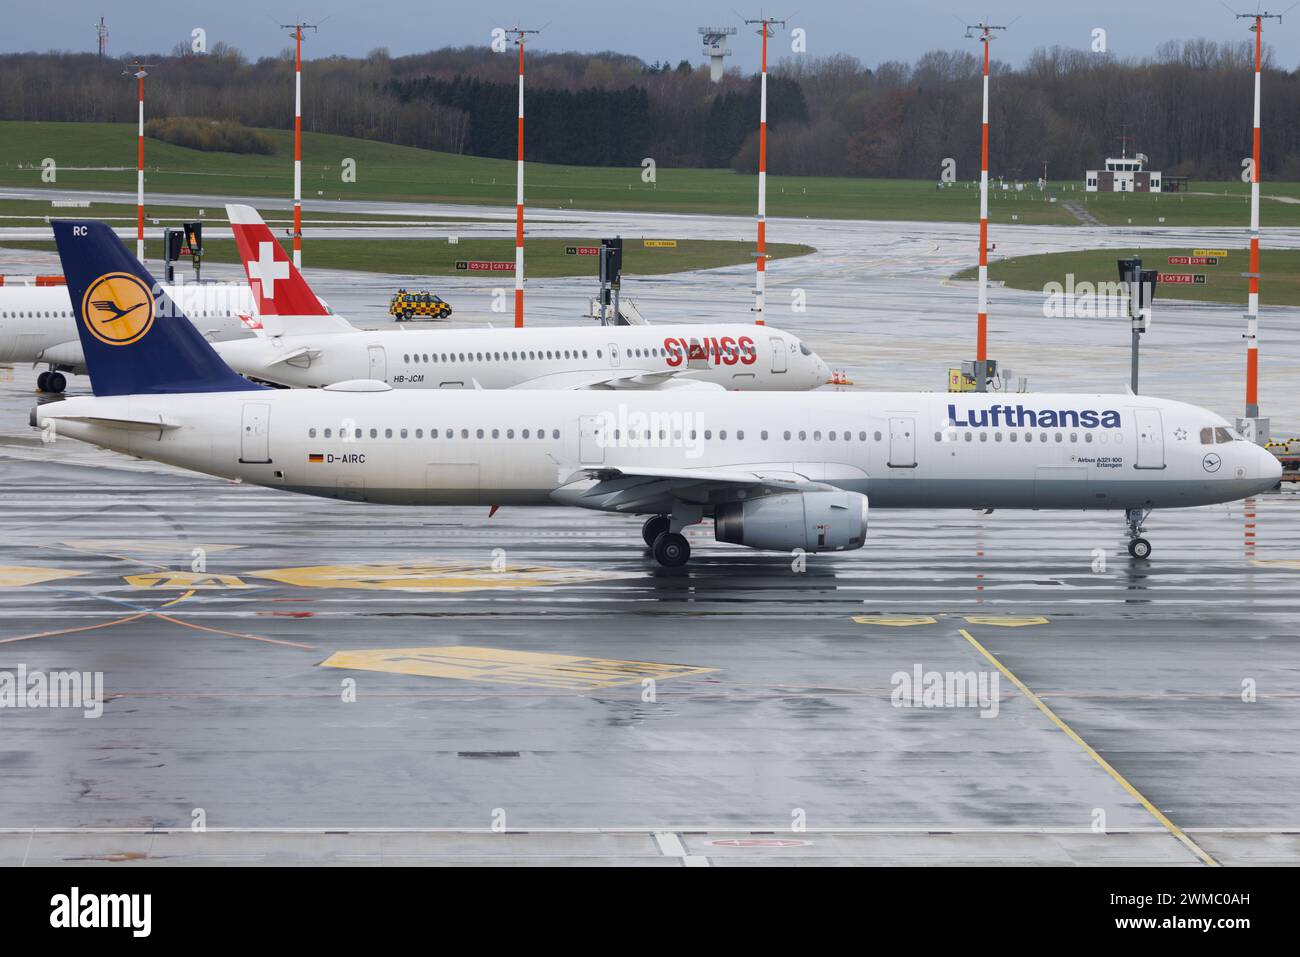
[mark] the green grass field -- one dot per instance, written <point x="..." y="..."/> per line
<point x="1206" y="204"/>
<point x="102" y="156"/>
<point x="386" y="172"/>
<point x="1279" y="269"/>
<point x="546" y="258"/>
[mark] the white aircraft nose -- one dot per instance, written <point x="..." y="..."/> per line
<point x="1269" y="468"/>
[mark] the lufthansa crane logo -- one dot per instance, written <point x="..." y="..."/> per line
<point x="1211" y="462"/>
<point x="118" y="308"/>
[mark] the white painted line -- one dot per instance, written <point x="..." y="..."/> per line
<point x="670" y="845"/>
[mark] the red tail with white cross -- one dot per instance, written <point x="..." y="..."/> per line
<point x="278" y="287"/>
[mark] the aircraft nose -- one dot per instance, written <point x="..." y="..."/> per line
<point x="1269" y="468"/>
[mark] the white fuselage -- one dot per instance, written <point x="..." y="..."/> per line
<point x="906" y="450"/>
<point x="545" y="357"/>
<point x="37" y="324"/>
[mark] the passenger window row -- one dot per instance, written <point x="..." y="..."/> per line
<point x="1028" y="436"/>
<point x="433" y="433"/>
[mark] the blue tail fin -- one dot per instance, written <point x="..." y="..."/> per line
<point x="135" y="339"/>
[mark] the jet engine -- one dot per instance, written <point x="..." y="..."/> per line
<point x="829" y="521"/>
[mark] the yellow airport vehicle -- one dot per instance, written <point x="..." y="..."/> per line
<point x="405" y="306"/>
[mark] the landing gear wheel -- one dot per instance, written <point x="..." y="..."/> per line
<point x="43" y="382"/>
<point x="56" y="382"/>
<point x="672" y="550"/>
<point x="654" y="526"/>
<point x="1139" y="548"/>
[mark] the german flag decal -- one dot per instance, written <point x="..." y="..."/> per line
<point x="315" y="457"/>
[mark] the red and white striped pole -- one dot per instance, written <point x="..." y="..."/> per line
<point x="297" y="29"/>
<point x="982" y="323"/>
<point x="1252" y="299"/>
<point x="519" y="197"/>
<point x="140" y="74"/>
<point x="297" y="147"/>
<point x="760" y="255"/>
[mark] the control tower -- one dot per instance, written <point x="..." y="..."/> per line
<point x="715" y="48"/>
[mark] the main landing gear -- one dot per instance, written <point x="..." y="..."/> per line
<point x="1138" y="546"/>
<point x="663" y="533"/>
<point x="51" y="381"/>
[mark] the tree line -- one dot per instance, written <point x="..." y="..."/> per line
<point x="1187" y="106"/>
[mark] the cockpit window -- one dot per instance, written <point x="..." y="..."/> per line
<point x="1223" y="434"/>
<point x="804" y="349"/>
<point x="1216" y="434"/>
<point x="1207" y="436"/>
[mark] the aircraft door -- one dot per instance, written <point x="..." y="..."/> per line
<point x="1150" y="439"/>
<point x="591" y="440"/>
<point x="902" y="443"/>
<point x="378" y="364"/>
<point x="254" y="437"/>
<point x="778" y="355"/>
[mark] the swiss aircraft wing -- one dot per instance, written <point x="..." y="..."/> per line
<point x="631" y="379"/>
<point x="645" y="489"/>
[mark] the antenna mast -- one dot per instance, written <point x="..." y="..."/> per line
<point x="983" y="32"/>
<point x="519" y="33"/>
<point x="765" y="25"/>
<point x="297" y="29"/>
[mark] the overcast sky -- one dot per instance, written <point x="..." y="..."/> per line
<point x="651" y="29"/>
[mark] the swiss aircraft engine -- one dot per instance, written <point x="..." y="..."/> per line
<point x="829" y="521"/>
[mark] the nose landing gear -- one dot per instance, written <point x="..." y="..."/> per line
<point x="1138" y="546"/>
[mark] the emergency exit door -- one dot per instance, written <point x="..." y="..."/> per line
<point x="591" y="440"/>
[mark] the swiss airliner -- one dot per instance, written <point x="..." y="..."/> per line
<point x="772" y="471"/>
<point x="301" y="345"/>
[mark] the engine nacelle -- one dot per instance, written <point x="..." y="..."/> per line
<point x="814" y="521"/>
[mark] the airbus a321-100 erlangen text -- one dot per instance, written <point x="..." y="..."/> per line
<point x="773" y="471"/>
<point x="301" y="345"/>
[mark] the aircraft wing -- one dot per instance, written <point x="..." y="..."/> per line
<point x="616" y="379"/>
<point x="296" y="357"/>
<point x="645" y="489"/>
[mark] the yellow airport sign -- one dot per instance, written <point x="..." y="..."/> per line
<point x="1210" y="252"/>
<point x="660" y="243"/>
<point x="505" y="666"/>
<point x="958" y="382"/>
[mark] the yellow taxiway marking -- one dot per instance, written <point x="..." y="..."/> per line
<point x="1276" y="562"/>
<point x="1005" y="621"/>
<point x="433" y="576"/>
<point x="1154" y="811"/>
<point x="12" y="576"/>
<point x="186" y="580"/>
<point x="176" y="600"/>
<point x="904" y="621"/>
<point x="895" y="621"/>
<point x="503" y="666"/>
